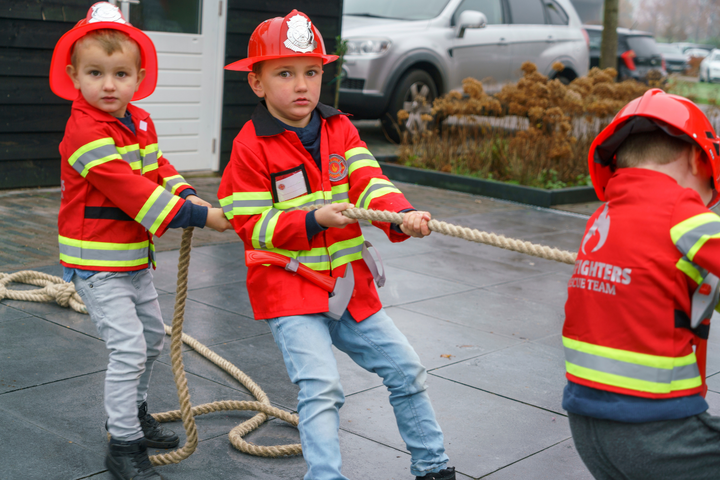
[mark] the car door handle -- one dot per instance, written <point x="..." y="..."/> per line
<point x="550" y="39"/>
<point x="502" y="42"/>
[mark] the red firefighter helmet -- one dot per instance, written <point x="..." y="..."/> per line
<point x="292" y="36"/>
<point x="655" y="110"/>
<point x="102" y="15"/>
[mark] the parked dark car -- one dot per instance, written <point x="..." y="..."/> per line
<point x="637" y="53"/>
<point x="675" y="59"/>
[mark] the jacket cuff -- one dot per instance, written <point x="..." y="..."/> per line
<point x="312" y="227"/>
<point x="187" y="192"/>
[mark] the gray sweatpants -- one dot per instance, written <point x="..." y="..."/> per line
<point x="126" y="312"/>
<point x="688" y="448"/>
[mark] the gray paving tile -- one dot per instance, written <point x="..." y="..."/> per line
<point x="559" y="462"/>
<point x="9" y="313"/>
<point x="494" y="312"/>
<point x="204" y="271"/>
<point x="563" y="240"/>
<point x="30" y="452"/>
<point x="35" y="352"/>
<point x="389" y="250"/>
<point x="229" y="252"/>
<point x="232" y="297"/>
<point x="403" y="287"/>
<point x="537" y="370"/>
<point x="550" y="289"/>
<point x="483" y="432"/>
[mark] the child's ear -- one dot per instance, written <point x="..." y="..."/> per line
<point x="256" y="84"/>
<point x="697" y="163"/>
<point x="72" y="73"/>
<point x="141" y="77"/>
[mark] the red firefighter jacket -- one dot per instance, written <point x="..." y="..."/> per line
<point x="117" y="191"/>
<point x="269" y="175"/>
<point x="627" y="327"/>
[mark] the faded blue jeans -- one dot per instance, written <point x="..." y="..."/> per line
<point x="126" y="312"/>
<point x="376" y="345"/>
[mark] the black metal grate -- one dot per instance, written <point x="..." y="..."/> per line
<point x="353" y="83"/>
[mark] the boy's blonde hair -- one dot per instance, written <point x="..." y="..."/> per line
<point x="110" y="41"/>
<point x="655" y="147"/>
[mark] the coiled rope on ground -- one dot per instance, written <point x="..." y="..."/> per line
<point x="55" y="289"/>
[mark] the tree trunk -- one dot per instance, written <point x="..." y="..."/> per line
<point x="609" y="45"/>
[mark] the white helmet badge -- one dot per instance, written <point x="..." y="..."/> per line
<point x="300" y="37"/>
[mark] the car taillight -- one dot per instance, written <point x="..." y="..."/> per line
<point x="628" y="59"/>
<point x="587" y="37"/>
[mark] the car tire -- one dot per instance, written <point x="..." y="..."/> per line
<point x="414" y="82"/>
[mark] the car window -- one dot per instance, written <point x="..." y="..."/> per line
<point x="595" y="38"/>
<point x="526" y="12"/>
<point x="397" y="9"/>
<point x="643" y="46"/>
<point x="716" y="56"/>
<point x="668" y="48"/>
<point x="491" y="8"/>
<point x="555" y="13"/>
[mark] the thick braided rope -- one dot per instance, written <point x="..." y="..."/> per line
<point x="470" y="234"/>
<point x="54" y="289"/>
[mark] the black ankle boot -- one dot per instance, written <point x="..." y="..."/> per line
<point x="130" y="461"/>
<point x="155" y="434"/>
<point x="445" y="474"/>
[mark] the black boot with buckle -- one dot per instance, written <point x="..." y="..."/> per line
<point x="445" y="474"/>
<point x="130" y="461"/>
<point x="155" y="434"/>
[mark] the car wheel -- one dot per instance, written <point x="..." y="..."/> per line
<point x="412" y="84"/>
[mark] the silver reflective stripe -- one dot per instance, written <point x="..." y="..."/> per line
<point x="156" y="209"/>
<point x="92" y="155"/>
<point x="314" y="259"/>
<point x="631" y="370"/>
<point x="319" y="201"/>
<point x="347" y="251"/>
<point x="150" y="159"/>
<point x="131" y="156"/>
<point x="172" y="182"/>
<point x="110" y="255"/>
<point x="341" y="197"/>
<point x="377" y="186"/>
<point x="264" y="226"/>
<point x="358" y="157"/>
<point x="689" y="239"/>
<point x="248" y="204"/>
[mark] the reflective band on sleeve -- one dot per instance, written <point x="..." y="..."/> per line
<point x="149" y="156"/>
<point x="340" y="193"/>
<point x="315" y="198"/>
<point x="631" y="370"/>
<point x="691" y="234"/>
<point x="358" y="158"/>
<point x="103" y="254"/>
<point x="246" y="203"/>
<point x="265" y="228"/>
<point x="696" y="272"/>
<point x="377" y="187"/>
<point x="131" y="154"/>
<point x="156" y="209"/>
<point x="171" y="184"/>
<point x="93" y="154"/>
<point x="346" y="251"/>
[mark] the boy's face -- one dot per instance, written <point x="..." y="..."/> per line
<point x="290" y="87"/>
<point x="108" y="82"/>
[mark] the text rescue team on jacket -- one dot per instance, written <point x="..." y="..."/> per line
<point x="268" y="160"/>
<point x="112" y="231"/>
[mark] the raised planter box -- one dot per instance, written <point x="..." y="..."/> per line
<point x="488" y="188"/>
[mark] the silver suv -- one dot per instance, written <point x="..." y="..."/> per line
<point x="400" y="48"/>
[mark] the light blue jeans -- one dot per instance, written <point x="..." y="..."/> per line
<point x="126" y="312"/>
<point x="376" y="345"/>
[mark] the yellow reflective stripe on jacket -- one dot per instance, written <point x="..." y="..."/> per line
<point x="246" y="203"/>
<point x="691" y="270"/>
<point x="358" y="158"/>
<point x="131" y="154"/>
<point x="376" y="187"/>
<point x="265" y="228"/>
<point x="174" y="182"/>
<point x="103" y="254"/>
<point x="341" y="193"/>
<point x="93" y="154"/>
<point x="346" y="251"/>
<point x="150" y="155"/>
<point x="631" y="370"/>
<point x="156" y="209"/>
<point x="691" y="234"/>
<point x="315" y="198"/>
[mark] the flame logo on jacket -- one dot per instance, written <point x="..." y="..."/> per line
<point x="601" y="226"/>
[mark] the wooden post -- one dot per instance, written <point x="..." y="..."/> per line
<point x="609" y="45"/>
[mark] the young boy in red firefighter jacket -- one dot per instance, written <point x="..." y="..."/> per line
<point x="296" y="152"/>
<point x="641" y="296"/>
<point x="117" y="191"/>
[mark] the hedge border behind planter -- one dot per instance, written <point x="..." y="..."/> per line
<point x="505" y="191"/>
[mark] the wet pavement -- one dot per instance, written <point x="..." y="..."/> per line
<point x="486" y="323"/>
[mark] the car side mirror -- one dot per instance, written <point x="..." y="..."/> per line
<point x="470" y="19"/>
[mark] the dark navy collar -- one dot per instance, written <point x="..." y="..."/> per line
<point x="266" y="125"/>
